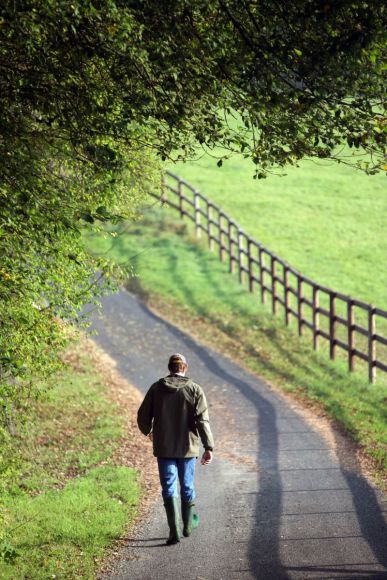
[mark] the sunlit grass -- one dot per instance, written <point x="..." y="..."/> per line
<point x="66" y="503"/>
<point x="61" y="533"/>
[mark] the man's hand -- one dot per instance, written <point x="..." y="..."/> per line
<point x="206" y="458"/>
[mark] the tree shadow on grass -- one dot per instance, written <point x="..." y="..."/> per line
<point x="296" y="368"/>
<point x="176" y="270"/>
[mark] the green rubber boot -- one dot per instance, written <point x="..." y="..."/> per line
<point x="190" y="518"/>
<point x="171" y="507"/>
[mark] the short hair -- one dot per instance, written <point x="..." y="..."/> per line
<point x="176" y="363"/>
<point x="176" y="367"/>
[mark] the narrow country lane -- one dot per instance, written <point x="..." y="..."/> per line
<point x="279" y="500"/>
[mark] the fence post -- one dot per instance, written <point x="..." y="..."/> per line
<point x="316" y="317"/>
<point x="180" y="193"/>
<point x="221" y="238"/>
<point x="209" y="226"/>
<point x="300" y="309"/>
<point x="261" y="275"/>
<point x="231" y="247"/>
<point x="240" y="256"/>
<point x="197" y="215"/>
<point x="371" y="345"/>
<point x="273" y="285"/>
<point x="250" y="259"/>
<point x="332" y="325"/>
<point x="286" y="295"/>
<point x="351" y="335"/>
<point x="217" y="223"/>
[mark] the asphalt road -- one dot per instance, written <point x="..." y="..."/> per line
<point x="278" y="502"/>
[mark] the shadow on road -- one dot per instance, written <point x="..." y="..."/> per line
<point x="264" y="549"/>
<point x="264" y="556"/>
<point x="369" y="515"/>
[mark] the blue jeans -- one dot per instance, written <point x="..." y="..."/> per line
<point x="170" y="470"/>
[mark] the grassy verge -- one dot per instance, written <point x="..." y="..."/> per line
<point x="193" y="288"/>
<point x="67" y="501"/>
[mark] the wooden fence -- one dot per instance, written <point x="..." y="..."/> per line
<point x="344" y="322"/>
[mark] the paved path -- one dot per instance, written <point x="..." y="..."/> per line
<point x="289" y="509"/>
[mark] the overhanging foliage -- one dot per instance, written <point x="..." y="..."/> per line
<point x="90" y="91"/>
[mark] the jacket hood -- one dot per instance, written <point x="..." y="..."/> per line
<point x="173" y="383"/>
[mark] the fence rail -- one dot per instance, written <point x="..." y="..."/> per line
<point x="344" y="322"/>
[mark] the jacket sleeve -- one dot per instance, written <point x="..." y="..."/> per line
<point x="202" y="419"/>
<point x="145" y="413"/>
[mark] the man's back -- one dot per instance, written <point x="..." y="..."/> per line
<point x="179" y="412"/>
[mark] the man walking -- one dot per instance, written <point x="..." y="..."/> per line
<point x="174" y="415"/>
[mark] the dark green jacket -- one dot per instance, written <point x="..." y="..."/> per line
<point x="175" y="411"/>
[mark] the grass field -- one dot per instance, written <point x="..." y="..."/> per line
<point x="328" y="221"/>
<point x="196" y="288"/>
<point x="66" y="501"/>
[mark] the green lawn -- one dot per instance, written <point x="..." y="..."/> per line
<point x="172" y="266"/>
<point x="66" y="503"/>
<point x="328" y="221"/>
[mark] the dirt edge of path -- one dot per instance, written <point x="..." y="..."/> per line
<point x="134" y="450"/>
